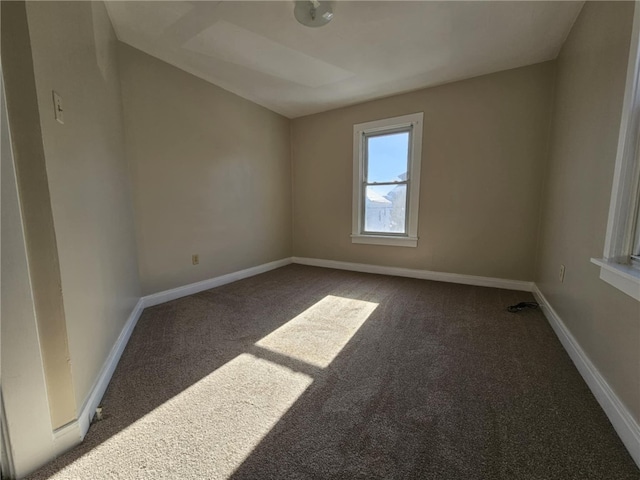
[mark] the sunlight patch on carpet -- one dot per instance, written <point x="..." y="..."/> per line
<point x="318" y="334"/>
<point x="206" y="431"/>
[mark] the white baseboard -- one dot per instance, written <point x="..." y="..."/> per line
<point x="623" y="422"/>
<point x="66" y="437"/>
<point x="186" y="290"/>
<point x="100" y="386"/>
<point x="88" y="410"/>
<point x="421" y="274"/>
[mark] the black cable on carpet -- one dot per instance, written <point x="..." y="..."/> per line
<point x="522" y="306"/>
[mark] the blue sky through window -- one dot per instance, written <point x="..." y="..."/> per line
<point x="387" y="159"/>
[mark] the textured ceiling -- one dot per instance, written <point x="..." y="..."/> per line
<point x="369" y="50"/>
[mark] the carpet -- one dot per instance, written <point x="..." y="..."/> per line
<point x="313" y="373"/>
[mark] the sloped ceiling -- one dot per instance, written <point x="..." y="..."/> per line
<point x="369" y="50"/>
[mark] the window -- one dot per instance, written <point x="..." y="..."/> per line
<point x="620" y="265"/>
<point x="386" y="181"/>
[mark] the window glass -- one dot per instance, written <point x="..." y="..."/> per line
<point x="387" y="157"/>
<point x="387" y="176"/>
<point x="386" y="209"/>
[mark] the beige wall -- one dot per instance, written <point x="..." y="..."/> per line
<point x="211" y="175"/>
<point x="74" y="53"/>
<point x="37" y="218"/>
<point x="484" y="142"/>
<point x="24" y="390"/>
<point x="591" y="72"/>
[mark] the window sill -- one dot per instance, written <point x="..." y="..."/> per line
<point x="384" y="240"/>
<point x="624" y="277"/>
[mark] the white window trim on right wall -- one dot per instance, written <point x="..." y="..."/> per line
<point x="415" y="120"/>
<point x="616" y="267"/>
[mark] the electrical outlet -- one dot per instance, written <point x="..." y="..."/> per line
<point x="57" y="108"/>
<point x="195" y="259"/>
<point x="561" y="275"/>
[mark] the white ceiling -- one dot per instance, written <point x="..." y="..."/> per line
<point x="370" y="49"/>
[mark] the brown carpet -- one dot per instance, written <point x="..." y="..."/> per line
<point x="311" y="373"/>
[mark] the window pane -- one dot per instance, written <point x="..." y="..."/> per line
<point x="387" y="157"/>
<point x="385" y="209"/>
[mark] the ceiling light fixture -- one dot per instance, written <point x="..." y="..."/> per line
<point x="313" y="13"/>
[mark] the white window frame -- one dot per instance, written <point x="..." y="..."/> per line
<point x="413" y="121"/>
<point x="617" y="267"/>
